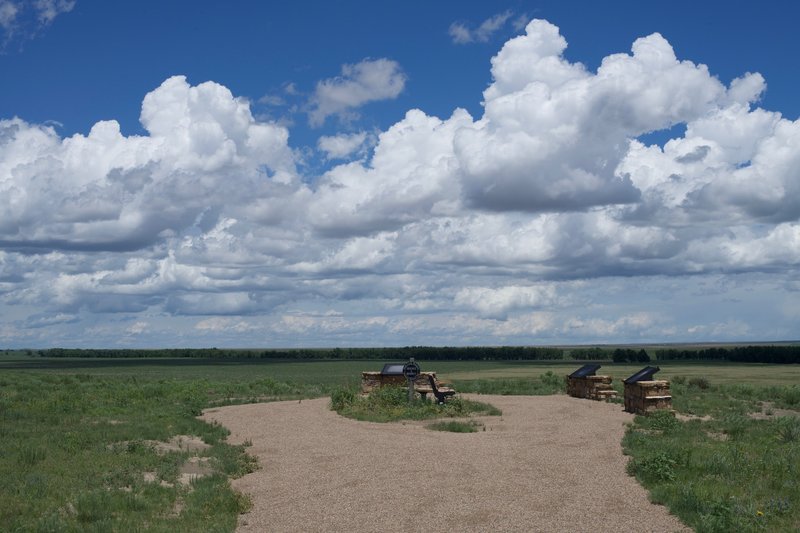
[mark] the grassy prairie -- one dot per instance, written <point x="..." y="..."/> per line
<point x="77" y="453"/>
<point x="733" y="466"/>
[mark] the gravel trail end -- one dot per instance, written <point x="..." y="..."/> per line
<point x="549" y="464"/>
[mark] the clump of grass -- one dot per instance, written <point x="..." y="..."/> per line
<point x="658" y="466"/>
<point x="662" y="420"/>
<point x="29" y="456"/>
<point x="788" y="429"/>
<point x="789" y="396"/>
<point x="735" y="425"/>
<point x="389" y="404"/>
<point x="457" y="426"/>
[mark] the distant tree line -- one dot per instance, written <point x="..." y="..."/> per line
<point x="618" y="355"/>
<point x="739" y="354"/>
<point x="470" y="353"/>
<point x="743" y="354"/>
<point x="594" y="353"/>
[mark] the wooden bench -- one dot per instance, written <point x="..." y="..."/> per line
<point x="441" y="393"/>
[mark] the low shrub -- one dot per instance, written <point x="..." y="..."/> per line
<point x="699" y="383"/>
<point x="552" y="380"/>
<point x="656" y="467"/>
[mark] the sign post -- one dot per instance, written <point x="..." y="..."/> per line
<point x="411" y="371"/>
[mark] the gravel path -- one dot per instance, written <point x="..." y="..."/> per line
<point x="550" y="463"/>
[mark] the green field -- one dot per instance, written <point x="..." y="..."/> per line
<point x="77" y="437"/>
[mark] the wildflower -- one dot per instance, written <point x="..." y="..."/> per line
<point x="759" y="513"/>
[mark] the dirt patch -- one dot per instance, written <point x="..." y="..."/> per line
<point x="192" y="469"/>
<point x="686" y="418"/>
<point x="195" y="468"/>
<point x="178" y="443"/>
<point x="550" y="464"/>
<point x="97" y="422"/>
<point x="152" y="477"/>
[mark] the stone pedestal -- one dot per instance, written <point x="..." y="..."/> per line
<point x="643" y="397"/>
<point x="591" y="387"/>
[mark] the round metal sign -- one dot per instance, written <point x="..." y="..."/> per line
<point x="411" y="370"/>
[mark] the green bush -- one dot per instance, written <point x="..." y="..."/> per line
<point x="552" y="380"/>
<point x="343" y="397"/>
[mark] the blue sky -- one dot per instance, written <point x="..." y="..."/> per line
<point x="363" y="173"/>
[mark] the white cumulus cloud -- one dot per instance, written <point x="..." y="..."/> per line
<point x="360" y="83"/>
<point x="462" y="34"/>
<point x="204" y="154"/>
<point x="341" y="146"/>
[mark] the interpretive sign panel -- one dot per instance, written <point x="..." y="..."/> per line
<point x="411" y="371"/>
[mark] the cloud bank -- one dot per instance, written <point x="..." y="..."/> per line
<point x="536" y="221"/>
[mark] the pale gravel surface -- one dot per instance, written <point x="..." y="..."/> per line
<point x="550" y="463"/>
